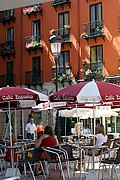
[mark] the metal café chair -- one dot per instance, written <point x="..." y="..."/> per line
<point x="113" y="161"/>
<point x="56" y="156"/>
<point x="31" y="161"/>
<point x="75" y="153"/>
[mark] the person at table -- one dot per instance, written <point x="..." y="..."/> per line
<point x="99" y="139"/>
<point x="100" y="136"/>
<point x="40" y="128"/>
<point x="48" y="138"/>
<point x="45" y="140"/>
<point x="30" y="129"/>
<point x="87" y="129"/>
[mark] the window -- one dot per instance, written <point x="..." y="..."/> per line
<point x="10" y="73"/>
<point x="119" y="23"/>
<point x="63" y="59"/>
<point x="96" y="58"/>
<point x="10" y="38"/>
<point x="36" y="69"/>
<point x="119" y="64"/>
<point x="95" y="17"/>
<point x="63" y="19"/>
<point x="10" y="12"/>
<point x="36" y="30"/>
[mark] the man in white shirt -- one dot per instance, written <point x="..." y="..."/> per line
<point x="30" y="129"/>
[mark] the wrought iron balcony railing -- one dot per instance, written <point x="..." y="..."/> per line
<point x="92" y="29"/>
<point x="64" y="33"/>
<point x="6" y="18"/>
<point x="7" y="80"/>
<point x="93" y="70"/>
<point x="32" y="79"/>
<point x="7" y="48"/>
<point x="33" y="42"/>
<point x="61" y="2"/>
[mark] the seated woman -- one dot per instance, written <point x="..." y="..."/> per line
<point x="99" y="139"/>
<point x="100" y="136"/>
<point x="47" y="139"/>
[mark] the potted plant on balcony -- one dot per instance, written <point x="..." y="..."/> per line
<point x="7" y="18"/>
<point x="62" y="78"/>
<point x="90" y="74"/>
<point x="32" y="9"/>
<point x="99" y="30"/>
<point x="84" y="35"/>
<point x="33" y="45"/>
<point x="67" y="26"/>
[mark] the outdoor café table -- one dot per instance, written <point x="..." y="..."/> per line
<point x="93" y="148"/>
<point x="12" y="171"/>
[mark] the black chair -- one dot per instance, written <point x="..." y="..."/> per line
<point x="56" y="156"/>
<point x="115" y="141"/>
<point x="99" y="153"/>
<point x="31" y="162"/>
<point x="113" y="161"/>
<point x="75" y="154"/>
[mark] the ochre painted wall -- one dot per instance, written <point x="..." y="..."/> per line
<point x="79" y="49"/>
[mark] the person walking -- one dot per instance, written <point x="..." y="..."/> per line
<point x="31" y="129"/>
<point x="40" y="128"/>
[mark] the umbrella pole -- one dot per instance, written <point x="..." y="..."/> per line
<point x="65" y="125"/>
<point x="23" y="127"/>
<point x="10" y="133"/>
<point x="94" y="123"/>
<point x="15" y="127"/>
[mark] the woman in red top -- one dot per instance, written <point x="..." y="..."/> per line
<point x="47" y="139"/>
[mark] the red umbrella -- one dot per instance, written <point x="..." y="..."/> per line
<point x="93" y="92"/>
<point x="89" y="92"/>
<point x="19" y="97"/>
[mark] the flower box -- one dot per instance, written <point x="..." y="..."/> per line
<point x="33" y="45"/>
<point x="32" y="9"/>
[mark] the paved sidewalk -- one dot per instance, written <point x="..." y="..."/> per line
<point x="55" y="175"/>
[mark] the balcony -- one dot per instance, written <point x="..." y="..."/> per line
<point x="88" y="0"/>
<point x="7" y="49"/>
<point x="32" y="79"/>
<point x="93" y="29"/>
<point x="93" y="70"/>
<point x="64" y="33"/>
<point x="61" y="3"/>
<point x="33" y="10"/>
<point x="113" y="79"/>
<point x="33" y="43"/>
<point x="6" y="18"/>
<point x="7" y="80"/>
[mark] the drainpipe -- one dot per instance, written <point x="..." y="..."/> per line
<point x="78" y="22"/>
<point x="21" y="46"/>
